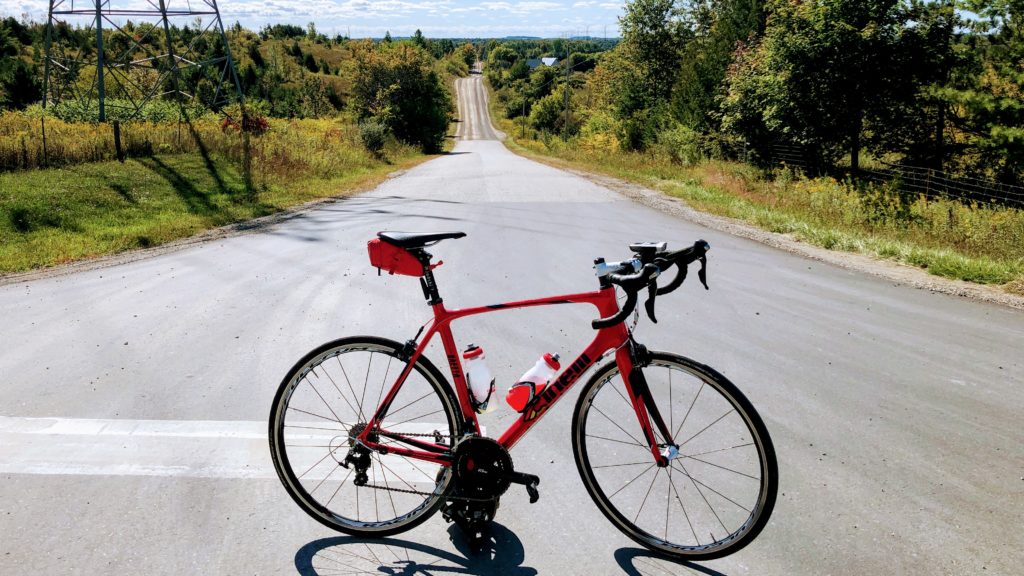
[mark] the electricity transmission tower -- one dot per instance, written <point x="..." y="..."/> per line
<point x="115" y="56"/>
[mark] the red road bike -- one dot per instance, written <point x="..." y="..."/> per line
<point x="370" y="438"/>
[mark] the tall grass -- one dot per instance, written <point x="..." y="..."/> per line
<point x="173" y="184"/>
<point x="317" y="145"/>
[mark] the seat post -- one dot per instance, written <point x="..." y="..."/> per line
<point x="427" y="282"/>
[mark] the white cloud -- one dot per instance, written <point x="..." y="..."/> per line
<point x="435" y="18"/>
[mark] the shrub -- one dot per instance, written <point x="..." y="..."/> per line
<point x="374" y="135"/>
<point x="680" y="145"/>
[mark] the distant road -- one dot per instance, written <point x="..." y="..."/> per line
<point x="474" y="122"/>
<point x="134" y="397"/>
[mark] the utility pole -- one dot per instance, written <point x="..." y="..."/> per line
<point x="99" y="59"/>
<point x="125" y="71"/>
<point x="523" y="115"/>
<point x="568" y="63"/>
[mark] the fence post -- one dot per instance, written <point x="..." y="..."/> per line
<point x="117" y="141"/>
<point x="46" y="156"/>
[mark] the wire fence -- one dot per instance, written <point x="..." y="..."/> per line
<point x="914" y="179"/>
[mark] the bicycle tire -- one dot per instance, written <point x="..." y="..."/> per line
<point x="590" y="447"/>
<point x="317" y="367"/>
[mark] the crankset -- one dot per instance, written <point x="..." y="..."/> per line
<point x="482" y="471"/>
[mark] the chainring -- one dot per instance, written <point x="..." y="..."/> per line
<point x="481" y="466"/>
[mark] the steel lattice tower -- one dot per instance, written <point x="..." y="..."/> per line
<point x="122" y="54"/>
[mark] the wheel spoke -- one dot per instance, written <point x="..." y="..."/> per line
<point x="413" y="464"/>
<point x="701" y="492"/>
<point x="393" y="412"/>
<point x="717" y="420"/>
<point x="350" y="387"/>
<point x="313" y="386"/>
<point x="722" y="449"/>
<point x="384" y="381"/>
<point x="324" y="479"/>
<point x="682" y="506"/>
<point x="616" y="424"/>
<point x="329" y="454"/>
<point x="336" y="490"/>
<point x="418" y="417"/>
<point x="618" y="441"/>
<point x="628" y="482"/>
<point x="618" y="465"/>
<point x="345" y="428"/>
<point x="647" y="495"/>
<point x="696" y="481"/>
<point x="688" y="410"/>
<point x="366" y="382"/>
<point x="723" y="468"/>
<point x="331" y="378"/>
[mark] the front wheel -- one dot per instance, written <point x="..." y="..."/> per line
<point x="321" y="407"/>
<point x="715" y="495"/>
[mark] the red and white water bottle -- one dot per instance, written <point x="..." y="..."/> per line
<point x="531" y="384"/>
<point x="481" y="383"/>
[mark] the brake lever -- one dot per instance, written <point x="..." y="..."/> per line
<point x="702" y="274"/>
<point x="652" y="293"/>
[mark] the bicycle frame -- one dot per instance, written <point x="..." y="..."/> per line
<point x="611" y="338"/>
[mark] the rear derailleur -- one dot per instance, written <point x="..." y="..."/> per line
<point x="358" y="456"/>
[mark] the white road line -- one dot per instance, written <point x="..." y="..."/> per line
<point x="183" y="448"/>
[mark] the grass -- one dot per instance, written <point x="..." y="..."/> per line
<point x="975" y="243"/>
<point x="58" y="215"/>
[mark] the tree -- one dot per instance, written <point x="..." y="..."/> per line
<point x="419" y="40"/>
<point x="718" y="26"/>
<point x="823" y="70"/>
<point x="396" y="85"/>
<point x="19" y="83"/>
<point x="990" y="102"/>
<point x="653" y="34"/>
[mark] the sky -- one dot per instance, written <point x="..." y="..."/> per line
<point x="372" y="18"/>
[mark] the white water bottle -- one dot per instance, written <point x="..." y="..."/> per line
<point x="532" y="383"/>
<point x="481" y="383"/>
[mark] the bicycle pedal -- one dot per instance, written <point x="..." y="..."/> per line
<point x="531" y="489"/>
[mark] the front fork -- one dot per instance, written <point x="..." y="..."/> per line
<point x="637" y="357"/>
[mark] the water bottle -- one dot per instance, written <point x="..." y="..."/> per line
<point x="532" y="383"/>
<point x="481" y="383"/>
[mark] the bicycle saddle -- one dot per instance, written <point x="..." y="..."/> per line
<point x="416" y="239"/>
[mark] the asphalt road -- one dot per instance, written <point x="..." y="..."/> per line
<point x="134" y="397"/>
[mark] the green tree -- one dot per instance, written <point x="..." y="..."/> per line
<point x="718" y="26"/>
<point x="823" y="70"/>
<point x="19" y="83"/>
<point x="396" y="84"/>
<point x="653" y="35"/>
<point x="419" y="40"/>
<point x="989" y="104"/>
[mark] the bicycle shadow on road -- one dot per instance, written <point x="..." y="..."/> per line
<point x="501" y="554"/>
<point x="640" y="562"/>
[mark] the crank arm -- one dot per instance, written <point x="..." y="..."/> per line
<point x="528" y="480"/>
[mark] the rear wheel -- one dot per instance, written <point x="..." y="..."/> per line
<point x="714" y="497"/>
<point x="321" y="406"/>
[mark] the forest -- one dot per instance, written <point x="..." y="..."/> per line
<point x="284" y="71"/>
<point x="833" y="86"/>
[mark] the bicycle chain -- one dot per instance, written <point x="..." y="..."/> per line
<point x="419" y="493"/>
